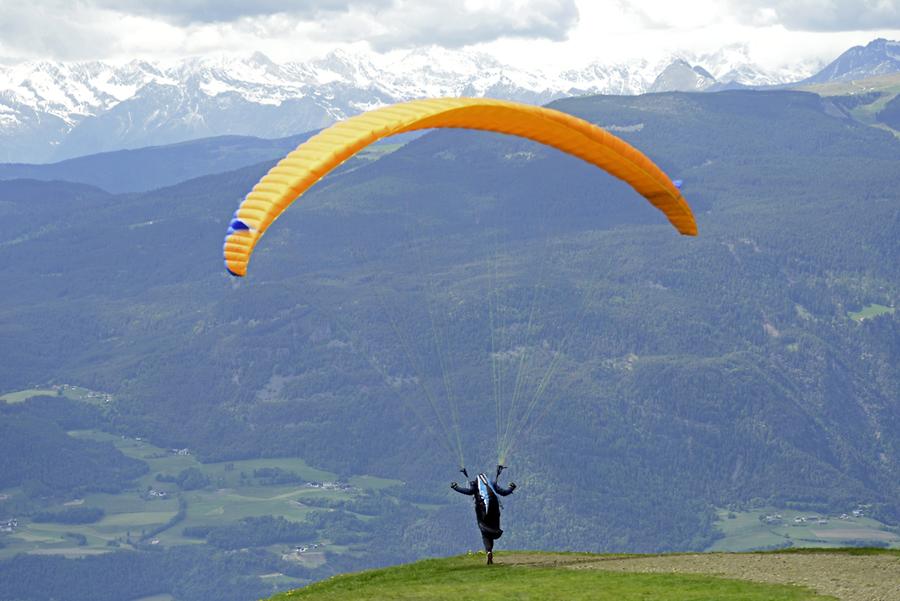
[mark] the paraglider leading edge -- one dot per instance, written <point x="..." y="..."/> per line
<point x="319" y="155"/>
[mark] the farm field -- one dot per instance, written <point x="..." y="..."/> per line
<point x="746" y="531"/>
<point x="21" y="396"/>
<point x="873" y="310"/>
<point x="233" y="492"/>
<point x="75" y="393"/>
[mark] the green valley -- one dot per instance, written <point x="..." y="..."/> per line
<point x="774" y="528"/>
<point x="158" y="510"/>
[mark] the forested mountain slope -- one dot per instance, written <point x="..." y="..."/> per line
<point x="725" y="369"/>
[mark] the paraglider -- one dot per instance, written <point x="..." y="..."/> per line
<point x="319" y="155"/>
<point x="314" y="159"/>
<point x="487" y="506"/>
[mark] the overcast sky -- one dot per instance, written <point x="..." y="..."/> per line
<point x="527" y="33"/>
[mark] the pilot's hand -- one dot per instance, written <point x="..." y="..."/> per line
<point x="453" y="485"/>
<point x="512" y="486"/>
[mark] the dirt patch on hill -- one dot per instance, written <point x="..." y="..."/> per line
<point x="846" y="577"/>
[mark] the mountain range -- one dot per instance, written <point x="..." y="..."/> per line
<point x="54" y="111"/>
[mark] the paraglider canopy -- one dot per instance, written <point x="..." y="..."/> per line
<point x="316" y="157"/>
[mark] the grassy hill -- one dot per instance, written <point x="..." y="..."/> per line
<point x="849" y="576"/>
<point x="872" y="101"/>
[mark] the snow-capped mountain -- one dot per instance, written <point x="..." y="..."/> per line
<point x="878" y="57"/>
<point x="681" y="76"/>
<point x="733" y="65"/>
<point x="51" y="111"/>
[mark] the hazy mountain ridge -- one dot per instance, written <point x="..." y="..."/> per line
<point x="52" y="111"/>
<point x="152" y="167"/>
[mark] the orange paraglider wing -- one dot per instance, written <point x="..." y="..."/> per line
<point x="313" y="159"/>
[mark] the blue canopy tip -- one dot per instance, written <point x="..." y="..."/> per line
<point x="237" y="224"/>
<point x="678" y="183"/>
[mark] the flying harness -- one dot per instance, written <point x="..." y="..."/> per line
<point x="484" y="489"/>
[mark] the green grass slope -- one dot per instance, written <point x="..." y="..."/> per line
<point x="466" y="577"/>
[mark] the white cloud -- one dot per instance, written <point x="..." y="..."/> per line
<point x="626" y="30"/>
<point x="223" y="11"/>
<point x="820" y="15"/>
<point x="55" y="29"/>
<point x="687" y="14"/>
<point x="453" y="23"/>
<point x="526" y="33"/>
<point x="101" y="28"/>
